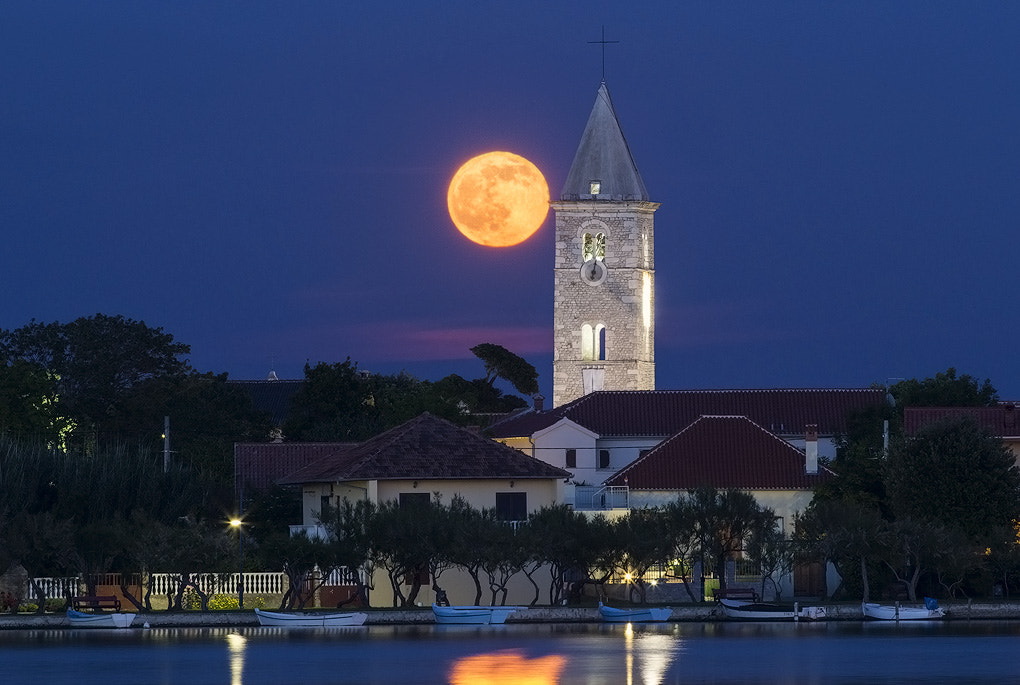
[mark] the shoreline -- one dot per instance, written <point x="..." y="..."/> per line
<point x="955" y="611"/>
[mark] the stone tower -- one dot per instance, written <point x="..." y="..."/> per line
<point x="604" y="275"/>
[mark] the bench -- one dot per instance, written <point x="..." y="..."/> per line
<point x="735" y="593"/>
<point x="95" y="603"/>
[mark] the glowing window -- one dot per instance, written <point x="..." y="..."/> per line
<point x="587" y="342"/>
<point x="593" y="246"/>
<point x="593" y="342"/>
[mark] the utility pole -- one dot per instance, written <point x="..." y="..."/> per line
<point x="166" y="444"/>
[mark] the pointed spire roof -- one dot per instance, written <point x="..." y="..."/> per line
<point x="603" y="155"/>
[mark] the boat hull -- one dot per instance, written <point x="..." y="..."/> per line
<point x="472" y="615"/>
<point x="278" y="620"/>
<point x="638" y="615"/>
<point x="886" y="612"/>
<point x="83" y="620"/>
<point x="760" y="611"/>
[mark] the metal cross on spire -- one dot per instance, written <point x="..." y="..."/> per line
<point x="603" y="43"/>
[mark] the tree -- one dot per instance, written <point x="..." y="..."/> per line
<point x="945" y="389"/>
<point x="332" y="404"/>
<point x="338" y="402"/>
<point x="724" y="521"/>
<point x="502" y="363"/>
<point x="772" y="552"/>
<point x="852" y="536"/>
<point x="860" y="459"/>
<point x="95" y="363"/>
<point x="684" y="538"/>
<point x="956" y="474"/>
<point x="643" y="541"/>
<point x="207" y="416"/>
<point x="564" y="540"/>
<point x="30" y="408"/>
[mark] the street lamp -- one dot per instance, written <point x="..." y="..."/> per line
<point x="236" y="523"/>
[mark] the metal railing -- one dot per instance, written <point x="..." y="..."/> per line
<point x="315" y="532"/>
<point x="601" y="497"/>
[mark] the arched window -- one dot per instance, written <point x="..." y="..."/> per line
<point x="593" y="247"/>
<point x="593" y="342"/>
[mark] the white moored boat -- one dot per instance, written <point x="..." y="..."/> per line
<point x="744" y="610"/>
<point x="473" y="615"/>
<point x="635" y="614"/>
<point x="79" y="619"/>
<point x="270" y="618"/>
<point x="889" y="612"/>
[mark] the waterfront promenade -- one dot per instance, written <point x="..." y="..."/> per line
<point x="956" y="610"/>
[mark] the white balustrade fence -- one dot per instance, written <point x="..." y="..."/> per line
<point x="255" y="583"/>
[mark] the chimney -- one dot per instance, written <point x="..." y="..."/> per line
<point x="539" y="401"/>
<point x="811" y="448"/>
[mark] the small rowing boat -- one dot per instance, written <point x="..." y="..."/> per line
<point x="888" y="612"/>
<point x="270" y="618"/>
<point x="80" y="619"/>
<point x="473" y="615"/>
<point x="635" y="614"/>
<point x="743" y="610"/>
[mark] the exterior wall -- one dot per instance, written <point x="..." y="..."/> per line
<point x="826" y="447"/>
<point x="551" y="446"/>
<point x="785" y="503"/>
<point x="480" y="494"/>
<point x="624" y="303"/>
<point x="525" y="445"/>
<point x="1013" y="445"/>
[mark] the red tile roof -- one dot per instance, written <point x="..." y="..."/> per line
<point x="426" y="447"/>
<point x="664" y="412"/>
<point x="1002" y="420"/>
<point x="259" y="465"/>
<point x="721" y="452"/>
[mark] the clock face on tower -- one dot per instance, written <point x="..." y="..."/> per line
<point x="594" y="272"/>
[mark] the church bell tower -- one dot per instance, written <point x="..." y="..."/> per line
<point x="604" y="274"/>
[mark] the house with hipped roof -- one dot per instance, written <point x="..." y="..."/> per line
<point x="426" y="457"/>
<point x="600" y="436"/>
<point x="724" y="452"/>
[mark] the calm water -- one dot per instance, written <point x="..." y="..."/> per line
<point x="948" y="652"/>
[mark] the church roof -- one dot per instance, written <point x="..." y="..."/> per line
<point x="659" y="413"/>
<point x="603" y="155"/>
<point x="426" y="447"/>
<point x="721" y="452"/>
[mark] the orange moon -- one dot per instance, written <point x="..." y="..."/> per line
<point x="498" y="199"/>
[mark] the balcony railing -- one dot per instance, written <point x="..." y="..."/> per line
<point x="601" y="497"/>
<point x="313" y="532"/>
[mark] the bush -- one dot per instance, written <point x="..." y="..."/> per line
<point x="220" y="602"/>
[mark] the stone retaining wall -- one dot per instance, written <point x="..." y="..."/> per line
<point x="962" y="610"/>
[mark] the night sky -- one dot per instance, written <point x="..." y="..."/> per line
<point x="267" y="181"/>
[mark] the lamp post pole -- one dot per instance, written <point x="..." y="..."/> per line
<point x="236" y="523"/>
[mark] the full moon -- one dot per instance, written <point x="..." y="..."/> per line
<point x="498" y="199"/>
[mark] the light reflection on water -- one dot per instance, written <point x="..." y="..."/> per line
<point x="564" y="654"/>
<point x="236" y="643"/>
